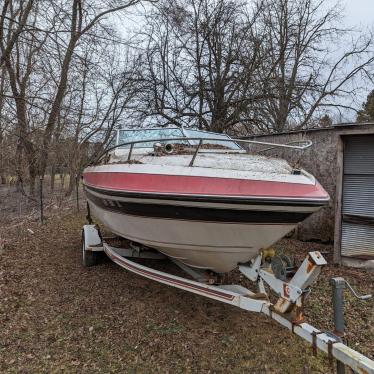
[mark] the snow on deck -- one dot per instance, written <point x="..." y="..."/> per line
<point x="240" y="162"/>
<point x="222" y="165"/>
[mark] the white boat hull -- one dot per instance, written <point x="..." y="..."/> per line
<point x="206" y="219"/>
<point x="210" y="245"/>
<point x="219" y="246"/>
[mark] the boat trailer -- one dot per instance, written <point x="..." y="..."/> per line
<point x="291" y="286"/>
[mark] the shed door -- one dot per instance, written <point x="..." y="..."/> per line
<point x="358" y="197"/>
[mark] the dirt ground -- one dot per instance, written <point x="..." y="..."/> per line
<point x="57" y="316"/>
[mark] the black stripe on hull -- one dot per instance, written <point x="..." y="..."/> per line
<point x="212" y="199"/>
<point x="187" y="213"/>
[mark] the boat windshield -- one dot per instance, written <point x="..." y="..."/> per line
<point x="126" y="136"/>
<point x="211" y="135"/>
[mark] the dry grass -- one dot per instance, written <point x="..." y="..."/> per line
<point x="57" y="316"/>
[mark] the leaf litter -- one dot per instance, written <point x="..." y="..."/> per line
<point x="57" y="316"/>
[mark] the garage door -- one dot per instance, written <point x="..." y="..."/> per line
<point x="358" y="197"/>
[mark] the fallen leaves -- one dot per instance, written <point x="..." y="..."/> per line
<point x="57" y="316"/>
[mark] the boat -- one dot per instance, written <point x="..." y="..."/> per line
<point x="210" y="204"/>
<point x="200" y="198"/>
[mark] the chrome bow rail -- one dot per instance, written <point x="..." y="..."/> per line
<point x="303" y="144"/>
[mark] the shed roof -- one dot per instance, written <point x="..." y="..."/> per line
<point x="339" y="126"/>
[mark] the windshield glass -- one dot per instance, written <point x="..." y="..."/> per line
<point x="126" y="136"/>
<point x="210" y="135"/>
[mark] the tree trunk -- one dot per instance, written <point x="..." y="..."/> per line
<point x="23" y="142"/>
<point x="12" y="39"/>
<point x="62" y="181"/>
<point x="53" y="177"/>
<point x="18" y="168"/>
<point x="61" y="88"/>
<point x="32" y="184"/>
<point x="71" y="185"/>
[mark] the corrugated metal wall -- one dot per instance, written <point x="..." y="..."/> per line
<point x="358" y="197"/>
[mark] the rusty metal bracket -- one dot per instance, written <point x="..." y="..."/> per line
<point x="314" y="341"/>
<point x="296" y="323"/>
<point x="329" y="350"/>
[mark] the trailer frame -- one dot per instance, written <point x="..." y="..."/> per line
<point x="287" y="311"/>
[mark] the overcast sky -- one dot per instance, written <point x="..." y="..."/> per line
<point x="359" y="11"/>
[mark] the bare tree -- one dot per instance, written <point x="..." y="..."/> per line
<point x="102" y="98"/>
<point x="308" y="75"/>
<point x="13" y="19"/>
<point x="20" y="66"/>
<point x="38" y="69"/>
<point x="200" y="64"/>
<point x="264" y="67"/>
<point x="3" y="121"/>
<point x="84" y="16"/>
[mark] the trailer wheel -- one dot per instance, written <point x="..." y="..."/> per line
<point x="89" y="258"/>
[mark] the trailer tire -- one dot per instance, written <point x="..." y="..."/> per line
<point x="89" y="258"/>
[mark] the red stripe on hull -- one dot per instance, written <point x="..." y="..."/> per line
<point x="196" y="185"/>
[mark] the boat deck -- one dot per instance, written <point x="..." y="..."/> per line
<point x="217" y="164"/>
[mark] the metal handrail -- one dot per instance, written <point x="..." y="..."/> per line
<point x="288" y="143"/>
<point x="356" y="295"/>
<point x="307" y="144"/>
